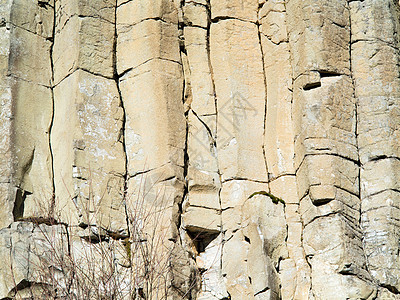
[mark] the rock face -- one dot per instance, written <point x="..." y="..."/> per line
<point x="244" y="149"/>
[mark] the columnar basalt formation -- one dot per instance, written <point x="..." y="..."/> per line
<point x="265" y="131"/>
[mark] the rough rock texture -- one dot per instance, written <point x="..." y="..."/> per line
<point x="251" y="144"/>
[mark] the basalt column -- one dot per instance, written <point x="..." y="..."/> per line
<point x="26" y="110"/>
<point x="375" y="66"/>
<point x="326" y="156"/>
<point x="87" y="132"/>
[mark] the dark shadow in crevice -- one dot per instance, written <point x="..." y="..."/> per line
<point x="201" y="239"/>
<point x="19" y="203"/>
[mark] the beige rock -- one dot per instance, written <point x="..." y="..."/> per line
<point x="163" y="119"/>
<point x="245" y="10"/>
<point x="23" y="246"/>
<point x="37" y="19"/>
<point x="319" y="36"/>
<point x="30" y="75"/>
<point x="133" y="12"/>
<point x="285" y="187"/>
<point x="83" y="43"/>
<point x="323" y="122"/>
<point x="32" y="171"/>
<point x="380" y="227"/>
<point x="195" y="15"/>
<point x="288" y="278"/>
<point x="87" y="150"/>
<point x="375" y="177"/>
<point x="6" y="195"/>
<point x="279" y="135"/>
<point x="322" y="175"/>
<point x="101" y="9"/>
<point x="213" y="286"/>
<point x="196" y="219"/>
<point x="235" y="192"/>
<point x="201" y="81"/>
<point x="150" y="39"/>
<point x="154" y="89"/>
<point x="345" y="203"/>
<point x="265" y="220"/>
<point x="241" y="99"/>
<point x="30" y="57"/>
<point x="273" y="25"/>
<point x="332" y="252"/>
<point x="377" y="89"/>
<point x="234" y="267"/>
<point x="201" y="142"/>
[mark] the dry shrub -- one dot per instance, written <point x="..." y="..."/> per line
<point x="89" y="262"/>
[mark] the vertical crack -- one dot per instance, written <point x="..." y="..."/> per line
<point x="182" y="50"/>
<point x="123" y="127"/>
<point x="360" y="166"/>
<point x="52" y="86"/>
<point x="266" y="101"/>
<point x="208" y="48"/>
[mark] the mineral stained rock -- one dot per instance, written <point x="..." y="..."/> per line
<point x="112" y="111"/>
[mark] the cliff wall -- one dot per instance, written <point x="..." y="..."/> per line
<point x="266" y="131"/>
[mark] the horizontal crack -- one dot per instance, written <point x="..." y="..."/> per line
<point x="223" y="18"/>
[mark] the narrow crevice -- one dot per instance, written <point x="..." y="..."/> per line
<point x="262" y="291"/>
<point x="390" y="288"/>
<point x="374" y="40"/>
<point x="223" y="18"/>
<point x="265" y="106"/>
<point x="382" y="157"/>
<point x="327" y="215"/>
<point x="70" y="17"/>
<point x="206" y="207"/>
<point x="356" y="116"/>
<point x="123" y="127"/>
<point x="123" y="73"/>
<point x="272" y="179"/>
<point x="53" y="196"/>
<point x="208" y="48"/>
<point x="311" y="86"/>
<point x="244" y="179"/>
<point x="130" y="26"/>
<point x="356" y="162"/>
<point x="29" y="81"/>
<point x="348" y="191"/>
<point x="206" y="126"/>
<point x="273" y="42"/>
<point x="327" y="73"/>
<point x="84" y="70"/>
<point x="138" y="173"/>
<point x="186" y="115"/>
<point x="382" y="191"/>
<point x="95" y="17"/>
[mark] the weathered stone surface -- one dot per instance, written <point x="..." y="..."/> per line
<point x="319" y="36"/>
<point x="248" y="148"/>
<point x="377" y="86"/>
<point x="245" y="10"/>
<point x="150" y="39"/>
<point x="26" y="110"/>
<point x="85" y="43"/>
<point x="87" y="150"/>
<point x="32" y="172"/>
<point x="201" y="82"/>
<point x="22" y="246"/>
<point x="154" y="89"/>
<point x="133" y="12"/>
<point x="37" y="19"/>
<point x="240" y="90"/>
<point x="6" y="199"/>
